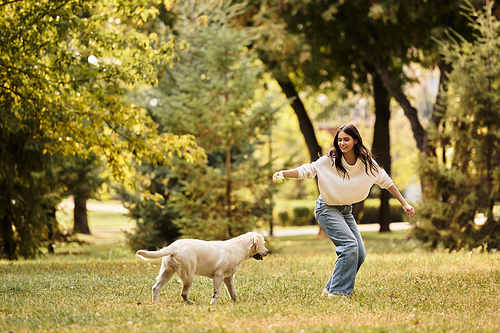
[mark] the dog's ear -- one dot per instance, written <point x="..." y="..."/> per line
<point x="256" y="240"/>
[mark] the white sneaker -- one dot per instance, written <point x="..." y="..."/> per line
<point x="325" y="293"/>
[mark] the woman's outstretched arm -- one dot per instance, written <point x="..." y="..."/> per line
<point x="406" y="206"/>
<point x="292" y="173"/>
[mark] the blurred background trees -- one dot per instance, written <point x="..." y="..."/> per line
<point x="212" y="92"/>
<point x="64" y="67"/>
<point x="185" y="103"/>
<point x="464" y="179"/>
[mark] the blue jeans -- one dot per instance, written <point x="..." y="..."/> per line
<point x="338" y="223"/>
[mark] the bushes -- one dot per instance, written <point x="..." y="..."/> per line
<point x="369" y="214"/>
<point x="301" y="216"/>
<point x="304" y="215"/>
<point x="284" y="218"/>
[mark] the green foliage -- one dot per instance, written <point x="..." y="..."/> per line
<point x="154" y="227"/>
<point x="284" y="218"/>
<point x="211" y="93"/>
<point x="202" y="206"/>
<point x="27" y="202"/>
<point x="318" y="42"/>
<point x="80" y="176"/>
<point x="303" y="215"/>
<point x="467" y="182"/>
<point x="370" y="212"/>
<point x="64" y="67"/>
<point x="301" y="212"/>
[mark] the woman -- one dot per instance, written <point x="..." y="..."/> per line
<point x="345" y="176"/>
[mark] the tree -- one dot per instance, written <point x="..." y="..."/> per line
<point x="468" y="181"/>
<point x="27" y="214"/>
<point x="359" y="40"/>
<point x="211" y="93"/>
<point x="381" y="147"/>
<point x="64" y="65"/>
<point x="81" y="178"/>
<point x="153" y="213"/>
<point x="316" y="58"/>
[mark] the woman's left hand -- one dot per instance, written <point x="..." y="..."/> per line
<point x="409" y="210"/>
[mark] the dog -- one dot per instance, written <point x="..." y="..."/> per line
<point x="218" y="260"/>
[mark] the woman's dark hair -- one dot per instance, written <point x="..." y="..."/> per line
<point x="360" y="151"/>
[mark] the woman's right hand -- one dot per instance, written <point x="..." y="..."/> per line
<point x="278" y="175"/>
<point x="409" y="210"/>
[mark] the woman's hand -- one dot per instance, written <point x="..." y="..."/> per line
<point x="409" y="210"/>
<point x="277" y="175"/>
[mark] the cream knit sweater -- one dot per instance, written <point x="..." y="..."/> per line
<point x="336" y="190"/>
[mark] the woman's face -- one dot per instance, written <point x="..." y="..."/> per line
<point x="346" y="143"/>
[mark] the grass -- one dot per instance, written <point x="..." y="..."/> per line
<point x="400" y="288"/>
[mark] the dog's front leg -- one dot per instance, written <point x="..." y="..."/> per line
<point x="217" y="285"/>
<point x="230" y="287"/>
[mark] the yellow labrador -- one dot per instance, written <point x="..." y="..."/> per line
<point x="218" y="260"/>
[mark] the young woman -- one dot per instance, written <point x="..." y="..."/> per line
<point x="345" y="176"/>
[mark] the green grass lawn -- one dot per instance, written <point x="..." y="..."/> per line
<point x="400" y="288"/>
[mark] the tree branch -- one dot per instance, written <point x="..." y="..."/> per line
<point x="8" y="3"/>
<point x="15" y="92"/>
<point x="305" y="124"/>
<point x="419" y="133"/>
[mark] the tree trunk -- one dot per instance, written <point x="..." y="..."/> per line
<point x="438" y="109"/>
<point x="80" y="215"/>
<point x="357" y="208"/>
<point x="394" y="88"/>
<point x="382" y="145"/>
<point x="306" y="126"/>
<point x="51" y="221"/>
<point x="7" y="234"/>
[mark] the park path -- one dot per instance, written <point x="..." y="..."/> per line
<point x="99" y="207"/>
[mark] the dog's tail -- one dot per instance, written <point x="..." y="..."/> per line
<point x="148" y="255"/>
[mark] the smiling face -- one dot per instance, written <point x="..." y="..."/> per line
<point x="346" y="143"/>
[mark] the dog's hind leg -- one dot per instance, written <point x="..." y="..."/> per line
<point x="187" y="282"/>
<point x="186" y="273"/>
<point x="168" y="268"/>
<point x="217" y="285"/>
<point x="229" y="282"/>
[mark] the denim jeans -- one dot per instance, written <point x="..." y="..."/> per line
<point x="339" y="225"/>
